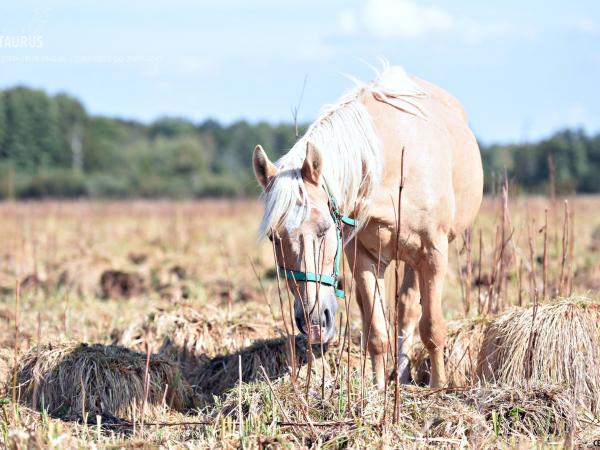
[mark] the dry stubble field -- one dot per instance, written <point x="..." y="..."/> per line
<point x="181" y="300"/>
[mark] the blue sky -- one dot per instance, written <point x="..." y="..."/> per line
<point x="522" y="68"/>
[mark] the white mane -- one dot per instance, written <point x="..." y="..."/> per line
<point x="350" y="151"/>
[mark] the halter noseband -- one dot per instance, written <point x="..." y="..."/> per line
<point x="328" y="280"/>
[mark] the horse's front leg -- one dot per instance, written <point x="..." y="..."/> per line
<point x="432" y="326"/>
<point x="370" y="292"/>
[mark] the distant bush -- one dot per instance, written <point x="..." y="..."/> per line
<point x="105" y="185"/>
<point x="57" y="183"/>
<point x="51" y="147"/>
<point x="217" y="186"/>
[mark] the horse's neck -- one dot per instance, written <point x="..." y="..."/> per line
<point x="336" y="185"/>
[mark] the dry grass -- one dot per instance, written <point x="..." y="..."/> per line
<point x="478" y="417"/>
<point x="204" y="308"/>
<point x="72" y="380"/>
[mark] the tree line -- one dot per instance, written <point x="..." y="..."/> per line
<point x="51" y="147"/>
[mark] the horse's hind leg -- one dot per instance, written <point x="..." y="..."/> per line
<point x="408" y="311"/>
<point x="432" y="326"/>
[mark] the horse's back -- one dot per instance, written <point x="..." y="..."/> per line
<point x="442" y="161"/>
<point x="442" y="96"/>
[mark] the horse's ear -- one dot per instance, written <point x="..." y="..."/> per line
<point x="264" y="169"/>
<point x="313" y="165"/>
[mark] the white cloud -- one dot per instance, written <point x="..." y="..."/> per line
<point x="410" y="19"/>
<point x="347" y="22"/>
<point x="404" y="18"/>
<point x="587" y="26"/>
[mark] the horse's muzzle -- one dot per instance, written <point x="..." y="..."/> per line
<point x="316" y="334"/>
<point x="318" y="328"/>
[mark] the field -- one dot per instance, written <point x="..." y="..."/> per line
<point x="192" y="296"/>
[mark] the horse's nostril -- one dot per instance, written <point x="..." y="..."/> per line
<point x="300" y="323"/>
<point x="327" y="319"/>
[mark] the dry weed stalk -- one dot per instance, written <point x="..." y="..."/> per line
<point x="16" y="346"/>
<point x="532" y="278"/>
<point x="468" y="246"/>
<point x="563" y="282"/>
<point x="545" y="258"/>
<point x="397" y="292"/>
<point x="289" y="335"/>
<point x="480" y="303"/>
<point x="506" y="256"/>
<point x="571" y="269"/>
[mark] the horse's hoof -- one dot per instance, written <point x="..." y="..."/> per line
<point x="404" y="376"/>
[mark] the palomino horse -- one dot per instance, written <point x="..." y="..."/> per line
<point x="347" y="169"/>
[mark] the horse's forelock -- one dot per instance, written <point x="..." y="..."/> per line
<point x="284" y="200"/>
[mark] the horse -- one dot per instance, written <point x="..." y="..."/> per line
<point x="389" y="172"/>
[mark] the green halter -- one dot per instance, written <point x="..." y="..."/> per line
<point x="327" y="280"/>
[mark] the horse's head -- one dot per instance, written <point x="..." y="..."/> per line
<point x="306" y="242"/>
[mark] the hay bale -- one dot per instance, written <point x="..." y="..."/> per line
<point x="460" y="354"/>
<point x="124" y="285"/>
<point x="70" y="379"/>
<point x="560" y="346"/>
<point x="184" y="335"/>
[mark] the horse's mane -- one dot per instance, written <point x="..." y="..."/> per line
<point x="350" y="151"/>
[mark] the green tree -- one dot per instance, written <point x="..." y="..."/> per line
<point x="591" y="181"/>
<point x="171" y="127"/>
<point x="72" y="120"/>
<point x="105" y="142"/>
<point x="2" y="126"/>
<point x="43" y="138"/>
<point x="32" y="138"/>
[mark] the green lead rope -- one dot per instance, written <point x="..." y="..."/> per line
<point x="327" y="280"/>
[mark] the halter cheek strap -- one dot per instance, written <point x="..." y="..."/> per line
<point x="328" y="280"/>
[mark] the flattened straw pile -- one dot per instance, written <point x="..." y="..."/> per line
<point x="460" y="354"/>
<point x="217" y="375"/>
<point x="557" y="344"/>
<point x="539" y="410"/>
<point x="478" y="417"/>
<point x="72" y="380"/>
<point x="185" y="335"/>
